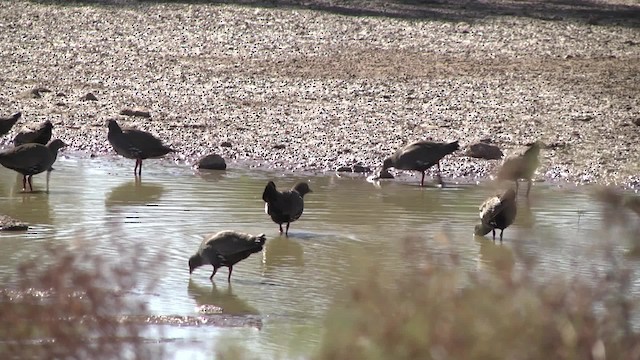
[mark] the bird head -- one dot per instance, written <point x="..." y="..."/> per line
<point x="56" y="144"/>
<point x="113" y="126"/>
<point x="48" y="125"/>
<point x="194" y="262"/>
<point x="302" y="188"/>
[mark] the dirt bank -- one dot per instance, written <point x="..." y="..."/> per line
<point x="312" y="86"/>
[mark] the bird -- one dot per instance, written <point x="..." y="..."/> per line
<point x="286" y="206"/>
<point x="225" y="248"/>
<point x="34" y="134"/>
<point x="31" y="159"/>
<point x="497" y="212"/>
<point x="6" y="123"/>
<point x="521" y="165"/>
<point x="420" y="156"/>
<point x="135" y="144"/>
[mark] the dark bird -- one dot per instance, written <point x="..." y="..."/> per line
<point x="521" y="165"/>
<point x="226" y="248"/>
<point x="6" y="123"/>
<point x="135" y="144"/>
<point x="497" y="212"/>
<point x="419" y="156"/>
<point x="40" y="134"/>
<point x="285" y="206"/>
<point x="31" y="159"/>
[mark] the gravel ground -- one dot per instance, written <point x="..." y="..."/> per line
<point x="318" y="85"/>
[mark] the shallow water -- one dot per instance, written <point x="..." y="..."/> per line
<point x="278" y="298"/>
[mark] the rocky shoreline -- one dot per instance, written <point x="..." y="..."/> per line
<point x="316" y="89"/>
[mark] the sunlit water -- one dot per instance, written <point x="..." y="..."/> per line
<point x="278" y="299"/>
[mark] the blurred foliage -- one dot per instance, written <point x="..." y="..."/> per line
<point x="71" y="304"/>
<point x="434" y="310"/>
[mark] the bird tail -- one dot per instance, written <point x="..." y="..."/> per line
<point x="482" y="229"/>
<point x="260" y="239"/>
<point x="270" y="193"/>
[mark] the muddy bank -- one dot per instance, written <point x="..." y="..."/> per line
<point x="315" y="90"/>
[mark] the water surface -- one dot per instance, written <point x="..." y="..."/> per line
<point x="278" y="298"/>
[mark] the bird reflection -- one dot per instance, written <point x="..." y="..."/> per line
<point x="495" y="257"/>
<point x="525" y="218"/>
<point x="134" y="193"/>
<point x="224" y="299"/>
<point x="282" y="252"/>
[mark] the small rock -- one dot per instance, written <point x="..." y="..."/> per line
<point x="90" y="97"/>
<point x="636" y="121"/>
<point x="484" y="151"/>
<point x="212" y="162"/>
<point x="279" y="146"/>
<point x="135" y="112"/>
<point x="344" y="169"/>
<point x="10" y="224"/>
<point x="583" y="118"/>
<point x="60" y="103"/>
<point x="361" y="169"/>
<point x="61" y="94"/>
<point x="225" y="144"/>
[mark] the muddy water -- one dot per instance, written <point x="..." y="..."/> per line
<point x="277" y="301"/>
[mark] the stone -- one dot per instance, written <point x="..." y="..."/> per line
<point x="484" y="151"/>
<point x="89" y="97"/>
<point x="8" y="223"/>
<point x="135" y="112"/>
<point x="225" y="144"/>
<point x="212" y="162"/>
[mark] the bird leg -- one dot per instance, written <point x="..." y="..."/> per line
<point x="516" y="187"/>
<point x="230" y="271"/>
<point x="137" y="170"/>
<point x="48" y="176"/>
<point x="280" y="228"/>
<point x="24" y="183"/>
<point x="528" y="187"/>
<point x="440" y="175"/>
<point x="30" y="184"/>
<point x="214" y="272"/>
<point x="494" y="234"/>
<point x="287" y="232"/>
<point x="501" y="231"/>
<point x="422" y="181"/>
<point x="140" y="169"/>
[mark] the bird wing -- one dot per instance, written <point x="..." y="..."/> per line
<point x="288" y="204"/>
<point x="145" y="144"/>
<point x="422" y="155"/>
<point x="30" y="157"/>
<point x="490" y="209"/>
<point x="232" y="243"/>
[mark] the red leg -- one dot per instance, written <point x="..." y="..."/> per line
<point x="214" y="272"/>
<point x="230" y="271"/>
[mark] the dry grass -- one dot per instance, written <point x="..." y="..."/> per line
<point x="71" y="308"/>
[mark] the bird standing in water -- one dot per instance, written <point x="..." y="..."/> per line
<point x="420" y="156"/>
<point x="225" y="248"/>
<point x="135" y="144"/>
<point x="521" y="165"/>
<point x="286" y="206"/>
<point x="497" y="212"/>
<point x="31" y="159"/>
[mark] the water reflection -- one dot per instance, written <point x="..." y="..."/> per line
<point x="225" y="299"/>
<point x="495" y="257"/>
<point x="134" y="193"/>
<point x="282" y="251"/>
